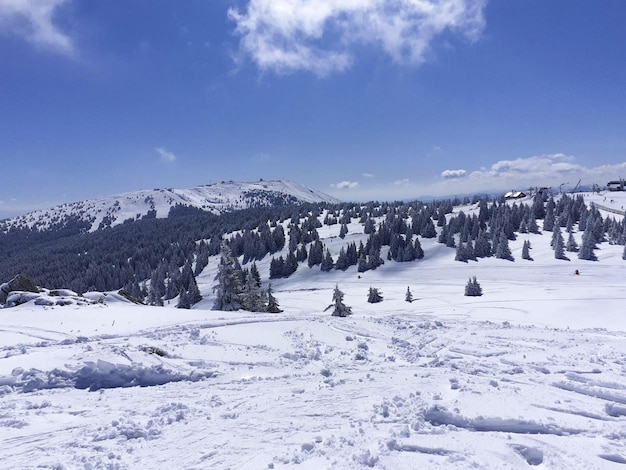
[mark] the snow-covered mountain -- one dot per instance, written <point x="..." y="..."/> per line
<point x="531" y="374"/>
<point x="215" y="198"/>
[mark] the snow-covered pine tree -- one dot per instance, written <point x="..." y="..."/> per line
<point x="251" y="298"/>
<point x="272" y="303"/>
<point x="327" y="262"/>
<point x="461" y="254"/>
<point x="193" y="293"/>
<point x="374" y="296"/>
<point x="316" y="254"/>
<point x="408" y="297"/>
<point x="342" y="260"/>
<point x="183" y="300"/>
<point x="558" y="243"/>
<point x="526" y="250"/>
<point x="343" y="231"/>
<point x="588" y="244"/>
<point x="340" y="309"/>
<point x="571" y="244"/>
<point x="472" y="288"/>
<point x="502" y="250"/>
<point x="228" y="288"/>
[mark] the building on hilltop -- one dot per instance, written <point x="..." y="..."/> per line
<point x="514" y="195"/>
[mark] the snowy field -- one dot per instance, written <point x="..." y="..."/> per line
<point x="530" y="375"/>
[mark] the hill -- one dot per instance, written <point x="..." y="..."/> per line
<point x="216" y="198"/>
<point x="530" y="374"/>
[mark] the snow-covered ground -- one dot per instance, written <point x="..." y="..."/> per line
<point x="530" y="375"/>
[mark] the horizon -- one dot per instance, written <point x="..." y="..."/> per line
<point x="8" y="215"/>
<point x="463" y="96"/>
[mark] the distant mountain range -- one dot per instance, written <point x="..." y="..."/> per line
<point x="216" y="198"/>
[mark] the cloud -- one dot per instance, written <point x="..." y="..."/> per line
<point x="368" y="175"/>
<point x="166" y="156"/>
<point x="33" y="20"/>
<point x="519" y="174"/>
<point x="453" y="173"/>
<point x="346" y="185"/>
<point x="541" y="167"/>
<point x="539" y="170"/>
<point x="321" y="36"/>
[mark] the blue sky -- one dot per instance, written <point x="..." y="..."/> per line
<point x="363" y="99"/>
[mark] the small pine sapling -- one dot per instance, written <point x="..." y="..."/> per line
<point x="374" y="296"/>
<point x="408" y="296"/>
<point x="472" y="288"/>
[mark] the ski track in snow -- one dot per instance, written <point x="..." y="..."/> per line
<point x="392" y="391"/>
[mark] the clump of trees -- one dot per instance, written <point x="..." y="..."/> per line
<point x="238" y="288"/>
<point x="472" y="288"/>
<point x="374" y="296"/>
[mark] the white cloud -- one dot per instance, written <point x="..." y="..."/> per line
<point x="539" y="170"/>
<point x="166" y="156"/>
<point x="369" y="175"/>
<point x="539" y="167"/>
<point x="346" y="185"/>
<point x="320" y="36"/>
<point x="453" y="173"/>
<point x="504" y="175"/>
<point x="33" y="20"/>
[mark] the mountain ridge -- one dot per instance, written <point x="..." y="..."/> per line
<point x="217" y="198"/>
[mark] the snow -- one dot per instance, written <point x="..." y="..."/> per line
<point x="215" y="198"/>
<point x="530" y="374"/>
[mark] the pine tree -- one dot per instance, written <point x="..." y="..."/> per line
<point x="316" y="254"/>
<point x="461" y="254"/>
<point x="571" y="245"/>
<point x="559" y="243"/>
<point x="193" y="293"/>
<point x="408" y="296"/>
<point x="254" y="271"/>
<point x="251" y="297"/>
<point x="482" y="246"/>
<point x="272" y="303"/>
<point x="472" y="288"/>
<point x="374" y="296"/>
<point x="343" y="231"/>
<point x="502" y="250"/>
<point x="327" y="263"/>
<point x="340" y="309"/>
<point x="157" y="287"/>
<point x="183" y="300"/>
<point x="417" y="249"/>
<point x="624" y="253"/>
<point x="228" y="288"/>
<point x="548" y="221"/>
<point x="526" y="250"/>
<point x="342" y="260"/>
<point x="588" y="244"/>
<point x="291" y="264"/>
<point x="277" y="267"/>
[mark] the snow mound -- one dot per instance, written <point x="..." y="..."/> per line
<point x="45" y="298"/>
<point x="98" y="375"/>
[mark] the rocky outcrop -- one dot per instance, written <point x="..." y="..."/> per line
<point x="18" y="283"/>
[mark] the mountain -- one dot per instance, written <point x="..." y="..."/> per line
<point x="528" y="375"/>
<point x="216" y="198"/>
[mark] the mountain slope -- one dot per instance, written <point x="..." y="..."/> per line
<point x="215" y="198"/>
